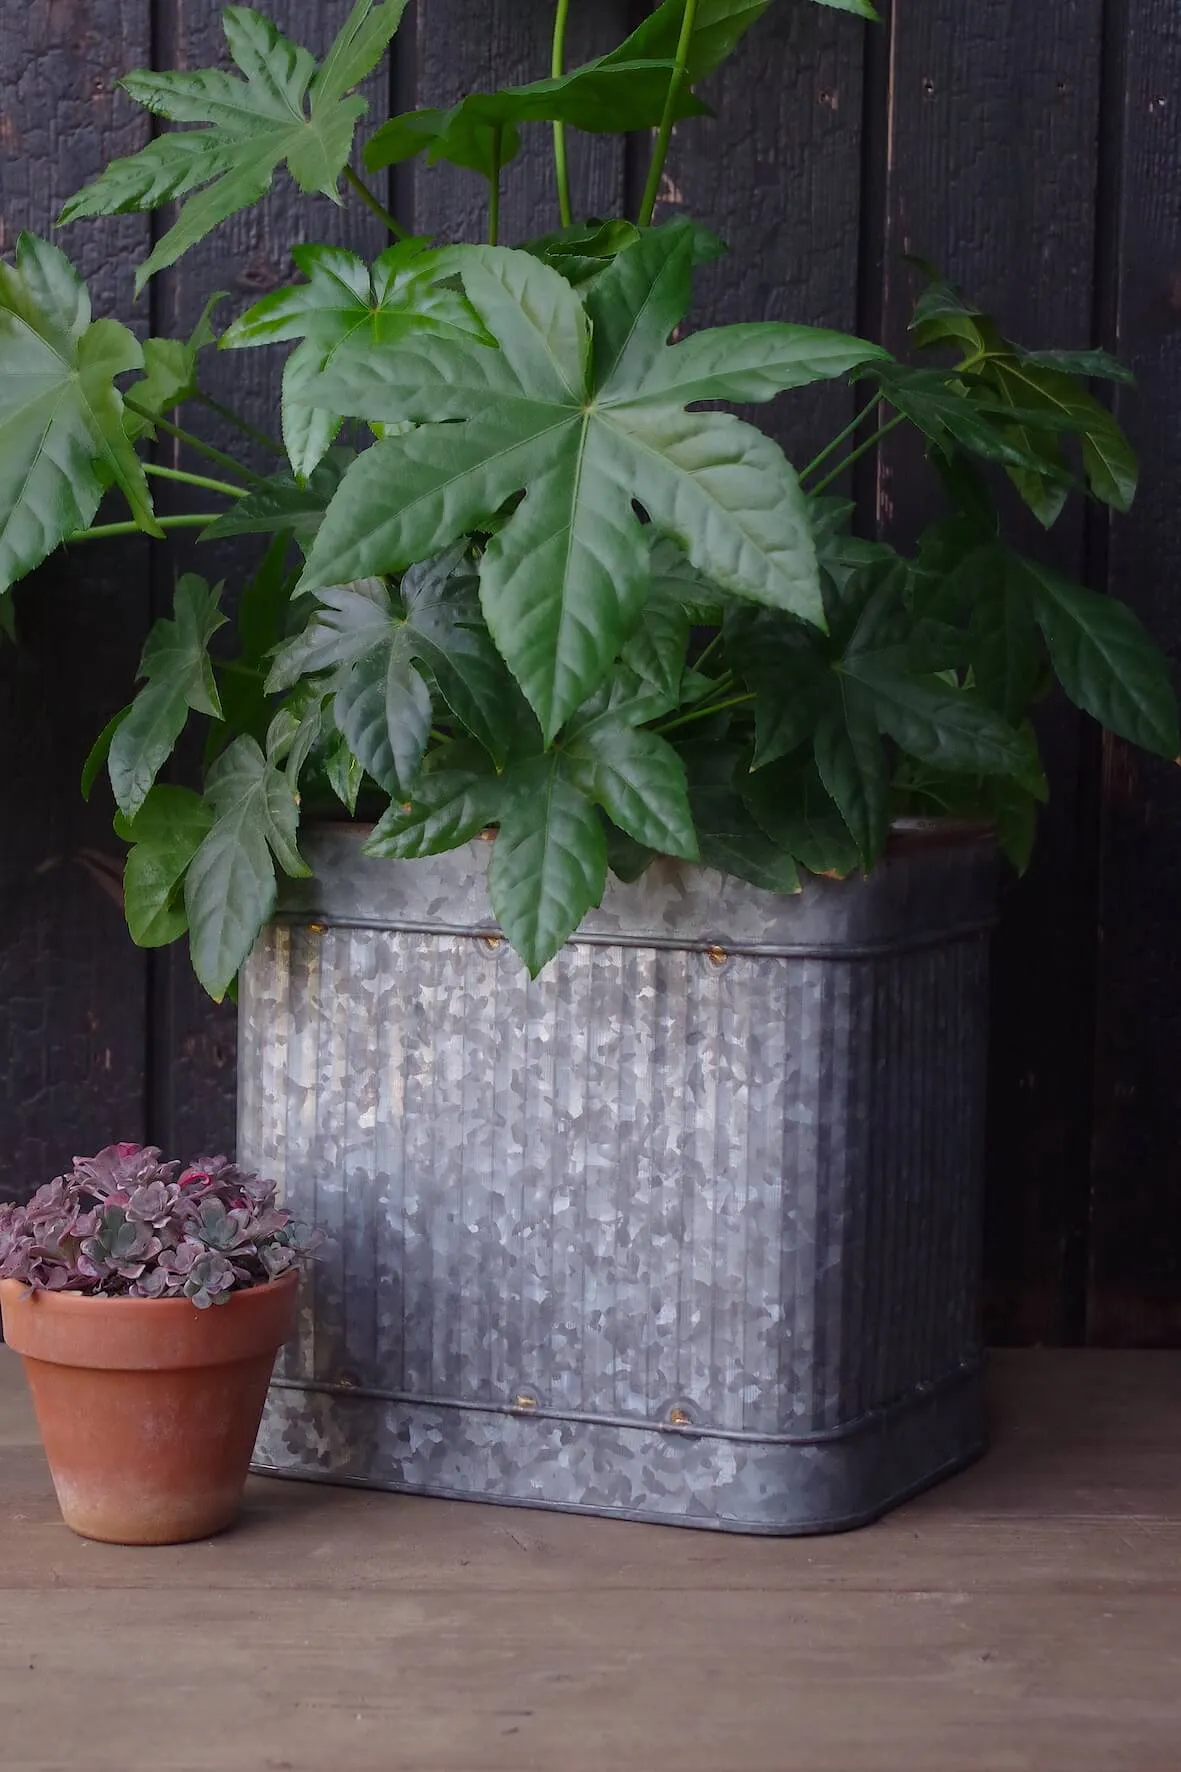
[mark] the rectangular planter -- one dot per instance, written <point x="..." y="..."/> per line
<point x="687" y="1229"/>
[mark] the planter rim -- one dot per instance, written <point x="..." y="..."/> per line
<point x="905" y="833"/>
<point x="937" y="878"/>
<point x="146" y="1334"/>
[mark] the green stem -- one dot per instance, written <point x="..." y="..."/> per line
<point x="494" y="186"/>
<point x="557" y="69"/>
<point x="664" y="136"/>
<point x="370" y="201"/>
<point x="206" y="449"/>
<point x="862" y="449"/>
<point x="841" y="437"/>
<point x="711" y="648"/>
<point x="242" y="424"/>
<point x="187" y="479"/>
<point x="717" y="707"/>
<point x="101" y="531"/>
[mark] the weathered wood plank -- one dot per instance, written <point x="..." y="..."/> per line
<point x="507" y="44"/>
<point x="192" y="1105"/>
<point x="351" y="1630"/>
<point x="777" y="174"/>
<point x="72" y="988"/>
<point x="1136" y="1240"/>
<point x="991" y="172"/>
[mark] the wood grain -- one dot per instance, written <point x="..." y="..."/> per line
<point x="1019" y="1619"/>
<point x="194" y="1047"/>
<point x="777" y="175"/>
<point x="1136" y="1264"/>
<point x="73" y="990"/>
<point x="992" y="124"/>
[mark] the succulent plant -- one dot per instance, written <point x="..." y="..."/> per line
<point x="125" y="1223"/>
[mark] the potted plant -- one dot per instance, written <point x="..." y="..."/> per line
<point x="650" y="1128"/>
<point x="148" y="1400"/>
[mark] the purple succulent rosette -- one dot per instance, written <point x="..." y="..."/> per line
<point x="125" y="1224"/>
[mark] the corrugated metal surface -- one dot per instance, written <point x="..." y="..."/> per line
<point x="735" y="1190"/>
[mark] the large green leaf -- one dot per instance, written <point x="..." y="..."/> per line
<point x="782" y="663"/>
<point x="459" y="136"/>
<point x="343" y="300"/>
<point x="62" y="438"/>
<point x="1005" y="648"/>
<point x="455" y="797"/>
<point x="718" y="27"/>
<point x="1047" y="399"/>
<point x="179" y="675"/>
<point x="790" y="802"/>
<point x="626" y="89"/>
<point x="863" y="8"/>
<point x="549" y="861"/>
<point x="852" y="765"/>
<point x="945" y="726"/>
<point x="284" y="111"/>
<point x="170" y="372"/>
<point x="578" y="408"/>
<point x="165" y="835"/>
<point x="728" y="836"/>
<point x="375" y="644"/>
<point x="638" y="780"/>
<point x="285" y="504"/>
<point x="955" y="411"/>
<point x="1103" y="658"/>
<point x="230" y="882"/>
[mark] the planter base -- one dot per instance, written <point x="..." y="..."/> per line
<point x="627" y="1471"/>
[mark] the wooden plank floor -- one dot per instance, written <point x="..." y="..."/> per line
<point x="1026" y="1617"/>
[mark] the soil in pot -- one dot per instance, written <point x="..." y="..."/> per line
<point x="148" y="1408"/>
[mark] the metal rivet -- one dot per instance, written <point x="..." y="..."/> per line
<point x="317" y="928"/>
<point x="525" y="1400"/>
<point x="717" y="956"/>
<point x="679" y="1416"/>
<point x="492" y="942"/>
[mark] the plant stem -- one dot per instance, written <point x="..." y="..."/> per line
<point x="841" y="437"/>
<point x="862" y="449"/>
<point x="664" y="136"/>
<point x="557" y="69"/>
<point x="205" y="449"/>
<point x="494" y="186"/>
<point x="241" y="424"/>
<point x="101" y="531"/>
<point x="712" y="647"/>
<point x="187" y="479"/>
<point x="370" y="201"/>
<point x="717" y="707"/>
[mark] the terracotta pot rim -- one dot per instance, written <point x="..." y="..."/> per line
<point x="147" y="1334"/>
<point x="81" y="1300"/>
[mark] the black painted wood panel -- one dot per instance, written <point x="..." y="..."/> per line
<point x="991" y="172"/>
<point x="193" y="1056"/>
<point x="73" y="998"/>
<point x="1035" y="153"/>
<point x="1135" y="1245"/>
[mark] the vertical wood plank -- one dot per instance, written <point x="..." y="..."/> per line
<point x="192" y="1097"/>
<point x="72" y="987"/>
<point x="507" y="44"/>
<point x="1135" y="1293"/>
<point x="777" y="174"/>
<point x="991" y="169"/>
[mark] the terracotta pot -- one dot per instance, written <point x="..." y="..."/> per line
<point x="148" y="1408"/>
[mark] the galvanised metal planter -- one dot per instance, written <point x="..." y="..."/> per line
<point x="688" y="1229"/>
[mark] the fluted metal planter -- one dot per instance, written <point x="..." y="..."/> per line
<point x="688" y="1229"/>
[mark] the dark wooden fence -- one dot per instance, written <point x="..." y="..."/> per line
<point x="1032" y="148"/>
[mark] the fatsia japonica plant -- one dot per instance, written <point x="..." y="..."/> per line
<point x="521" y="572"/>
